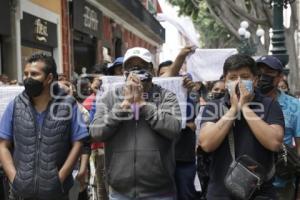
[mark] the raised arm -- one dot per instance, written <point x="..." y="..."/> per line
<point x="212" y="134"/>
<point x="177" y="64"/>
<point x="215" y="129"/>
<point x="269" y="133"/>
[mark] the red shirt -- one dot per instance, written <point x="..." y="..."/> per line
<point x="87" y="104"/>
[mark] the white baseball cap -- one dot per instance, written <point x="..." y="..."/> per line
<point x="138" y="52"/>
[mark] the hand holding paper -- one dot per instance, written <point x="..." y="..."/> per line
<point x="207" y="64"/>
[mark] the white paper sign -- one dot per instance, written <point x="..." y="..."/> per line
<point x="173" y="84"/>
<point x="207" y="64"/>
<point x="7" y="94"/>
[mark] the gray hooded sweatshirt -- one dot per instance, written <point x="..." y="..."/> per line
<point x="139" y="153"/>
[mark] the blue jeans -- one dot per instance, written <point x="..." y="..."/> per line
<point x="113" y="195"/>
<point x="184" y="177"/>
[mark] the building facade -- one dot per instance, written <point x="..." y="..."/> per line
<point x="77" y="33"/>
<point x="102" y="30"/>
<point x="29" y="26"/>
<point x="5" y="35"/>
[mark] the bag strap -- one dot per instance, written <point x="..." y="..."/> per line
<point x="271" y="173"/>
<point x="231" y="144"/>
<point x="230" y="137"/>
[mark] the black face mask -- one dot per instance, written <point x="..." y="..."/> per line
<point x="217" y="95"/>
<point x="33" y="88"/>
<point x="265" y="84"/>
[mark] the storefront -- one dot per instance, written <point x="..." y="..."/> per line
<point x="37" y="35"/>
<point x="87" y="21"/>
<point x="5" y="29"/>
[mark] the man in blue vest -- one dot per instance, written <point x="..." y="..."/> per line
<point x="44" y="129"/>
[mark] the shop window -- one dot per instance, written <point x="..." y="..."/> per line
<point x="84" y="56"/>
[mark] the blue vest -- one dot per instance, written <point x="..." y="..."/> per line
<point x="40" y="151"/>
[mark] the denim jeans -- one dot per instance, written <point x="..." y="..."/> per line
<point x="101" y="186"/>
<point x="184" y="177"/>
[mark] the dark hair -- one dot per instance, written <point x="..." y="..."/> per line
<point x="98" y="69"/>
<point x="212" y="84"/>
<point x="50" y="65"/>
<point x="110" y="71"/>
<point x="238" y="61"/>
<point x="164" y="64"/>
<point x="82" y="90"/>
<point x="285" y="82"/>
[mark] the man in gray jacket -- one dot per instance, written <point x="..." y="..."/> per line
<point x="139" y="123"/>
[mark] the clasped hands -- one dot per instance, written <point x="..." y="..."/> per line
<point x="241" y="101"/>
<point x="133" y="92"/>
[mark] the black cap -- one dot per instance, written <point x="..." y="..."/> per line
<point x="271" y="61"/>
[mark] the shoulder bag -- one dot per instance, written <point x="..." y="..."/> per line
<point x="244" y="175"/>
<point x="287" y="163"/>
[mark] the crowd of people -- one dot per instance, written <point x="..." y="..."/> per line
<point x="63" y="139"/>
<point x="4" y="80"/>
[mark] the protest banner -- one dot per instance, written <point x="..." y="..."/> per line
<point x="7" y="94"/>
<point x="173" y="84"/>
<point x="207" y="64"/>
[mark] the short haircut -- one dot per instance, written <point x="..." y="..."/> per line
<point x="50" y="65"/>
<point x="238" y="61"/>
<point x="165" y="64"/>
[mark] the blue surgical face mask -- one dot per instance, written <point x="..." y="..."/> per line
<point x="249" y="85"/>
<point x="230" y="86"/>
<point x="286" y="91"/>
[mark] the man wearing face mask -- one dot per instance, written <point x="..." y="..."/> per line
<point x="44" y="130"/>
<point x="139" y="123"/>
<point x="271" y="74"/>
<point x="248" y="114"/>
